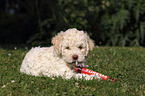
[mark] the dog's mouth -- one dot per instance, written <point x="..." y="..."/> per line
<point x="75" y="63"/>
<point x="79" y="64"/>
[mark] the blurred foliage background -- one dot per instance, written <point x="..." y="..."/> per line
<point x="108" y="22"/>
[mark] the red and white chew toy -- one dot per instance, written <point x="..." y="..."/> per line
<point x="93" y="73"/>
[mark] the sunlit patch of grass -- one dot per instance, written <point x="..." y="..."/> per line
<point x="127" y="65"/>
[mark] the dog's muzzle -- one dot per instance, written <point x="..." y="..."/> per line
<point x="79" y="64"/>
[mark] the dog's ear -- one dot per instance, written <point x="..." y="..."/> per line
<point x="56" y="42"/>
<point x="90" y="44"/>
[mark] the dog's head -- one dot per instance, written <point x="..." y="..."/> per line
<point x="72" y="45"/>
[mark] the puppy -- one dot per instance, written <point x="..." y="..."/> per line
<point x="69" y="50"/>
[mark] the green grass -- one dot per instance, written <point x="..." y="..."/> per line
<point x="125" y="64"/>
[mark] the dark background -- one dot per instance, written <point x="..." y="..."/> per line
<point x="108" y="22"/>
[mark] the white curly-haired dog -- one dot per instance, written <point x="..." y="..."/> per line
<point x="68" y="47"/>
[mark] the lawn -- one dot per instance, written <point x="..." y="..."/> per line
<point x="126" y="64"/>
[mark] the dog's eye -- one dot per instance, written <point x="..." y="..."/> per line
<point x="67" y="48"/>
<point x="80" y="47"/>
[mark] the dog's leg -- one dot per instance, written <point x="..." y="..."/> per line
<point x="86" y="77"/>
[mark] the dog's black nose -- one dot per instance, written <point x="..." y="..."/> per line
<point x="75" y="57"/>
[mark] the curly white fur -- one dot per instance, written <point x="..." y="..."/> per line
<point x="55" y="60"/>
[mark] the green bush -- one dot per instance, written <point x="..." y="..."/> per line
<point x="110" y="22"/>
<point x="115" y="22"/>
